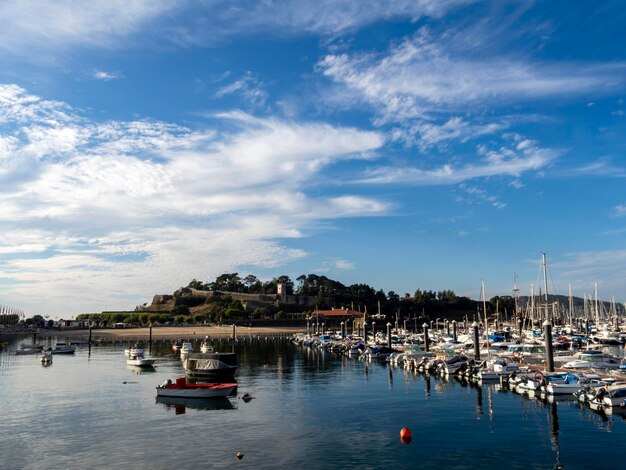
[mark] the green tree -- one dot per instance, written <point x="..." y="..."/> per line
<point x="228" y="283"/>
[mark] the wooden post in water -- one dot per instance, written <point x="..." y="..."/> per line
<point x="454" y="329"/>
<point x="547" y="334"/>
<point x="388" y="335"/>
<point x="308" y="325"/>
<point x="426" y="339"/>
<point x="89" y="342"/>
<point x="374" y="332"/>
<point x="476" y="341"/>
<point x="520" y="326"/>
<point x="364" y="331"/>
<point x="150" y="334"/>
<point x="405" y="325"/>
<point x="234" y="332"/>
<point x="342" y="333"/>
<point x="447" y="328"/>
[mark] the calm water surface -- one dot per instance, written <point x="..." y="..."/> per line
<point x="310" y="410"/>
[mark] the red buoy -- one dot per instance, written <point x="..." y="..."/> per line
<point x="405" y="435"/>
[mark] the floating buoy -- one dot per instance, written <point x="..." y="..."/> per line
<point x="405" y="435"/>
<point x="239" y="455"/>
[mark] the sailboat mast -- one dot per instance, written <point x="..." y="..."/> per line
<point x="532" y="302"/>
<point x="516" y="294"/>
<point x="545" y="284"/>
<point x="571" y="305"/>
<point x="595" y="284"/>
<point x="482" y="285"/>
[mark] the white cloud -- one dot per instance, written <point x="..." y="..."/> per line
<point x="123" y="210"/>
<point x="38" y="25"/>
<point x="427" y="134"/>
<point x="344" y="265"/>
<point x="504" y="161"/>
<point x="249" y="86"/>
<point x="581" y="268"/>
<point x="620" y="210"/>
<point x="105" y="76"/>
<point x="425" y="74"/>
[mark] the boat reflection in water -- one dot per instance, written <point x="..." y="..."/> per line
<point x="181" y="404"/>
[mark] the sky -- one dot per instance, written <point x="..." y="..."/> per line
<point x="410" y="144"/>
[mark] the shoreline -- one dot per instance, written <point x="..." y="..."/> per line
<point x="171" y="332"/>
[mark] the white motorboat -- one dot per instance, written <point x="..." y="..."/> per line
<point x="183" y="389"/>
<point x="205" y="347"/>
<point x="140" y="361"/>
<point x="46" y="358"/>
<point x="571" y="384"/>
<point x="134" y="351"/>
<point x="186" y="348"/>
<point x="496" y="369"/>
<point x="63" y="348"/>
<point x="609" y="396"/>
<point x="593" y="359"/>
<point x="528" y="352"/>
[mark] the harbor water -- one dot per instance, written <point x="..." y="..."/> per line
<point x="309" y="409"/>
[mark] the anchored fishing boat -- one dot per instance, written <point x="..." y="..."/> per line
<point x="183" y="389"/>
<point x="135" y="350"/>
<point x="140" y="361"/>
<point x="29" y="349"/>
<point x="46" y="358"/>
<point x="212" y="364"/>
<point x="63" y="348"/>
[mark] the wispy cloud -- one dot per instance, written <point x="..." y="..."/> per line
<point x="344" y="265"/>
<point x="328" y="18"/>
<point x="105" y="76"/>
<point x="620" y="210"/>
<point x="427" y="134"/>
<point x="80" y="199"/>
<point x="421" y="76"/>
<point x="503" y="161"/>
<point x="582" y="268"/>
<point x="249" y="86"/>
<point x="38" y="26"/>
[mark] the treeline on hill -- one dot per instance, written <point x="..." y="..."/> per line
<point x="425" y="303"/>
<point x="326" y="293"/>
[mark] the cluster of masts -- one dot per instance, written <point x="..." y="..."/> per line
<point x="539" y="308"/>
<point x="12" y="316"/>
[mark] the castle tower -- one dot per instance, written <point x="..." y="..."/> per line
<point x="281" y="290"/>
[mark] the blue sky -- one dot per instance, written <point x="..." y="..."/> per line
<point x="423" y="144"/>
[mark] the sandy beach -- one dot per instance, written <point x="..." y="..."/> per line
<point x="173" y="332"/>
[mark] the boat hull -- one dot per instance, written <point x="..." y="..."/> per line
<point x="200" y="390"/>
<point x="140" y="362"/>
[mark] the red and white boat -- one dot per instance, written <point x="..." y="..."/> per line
<point x="183" y="389"/>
